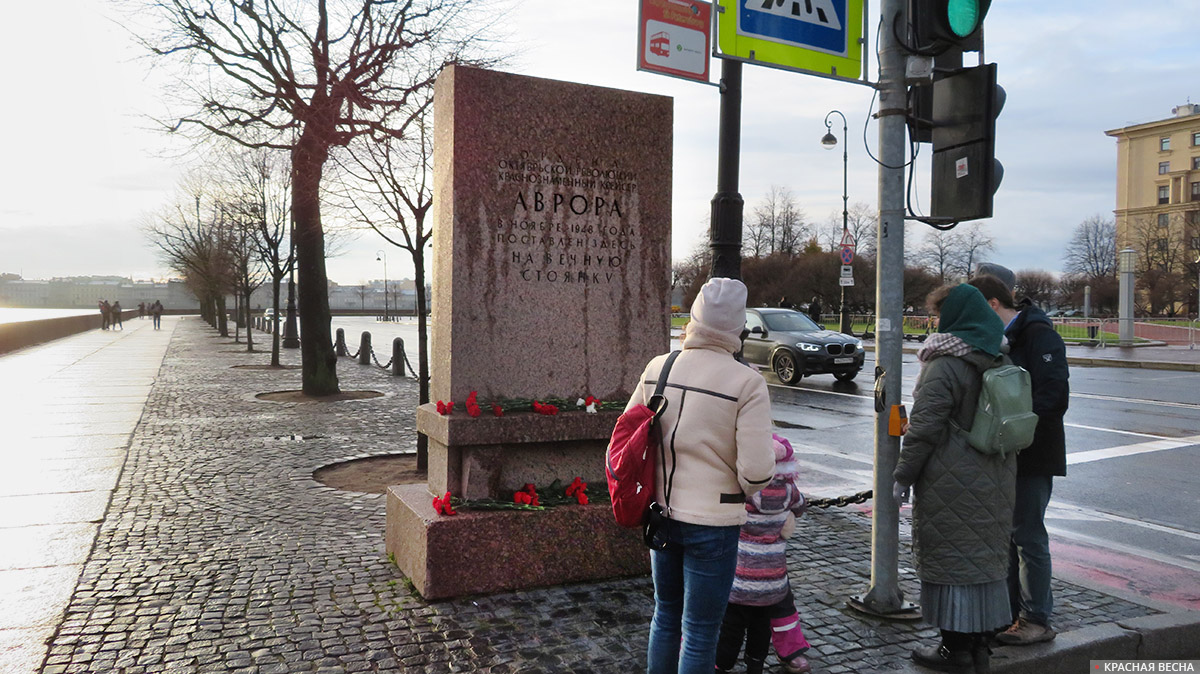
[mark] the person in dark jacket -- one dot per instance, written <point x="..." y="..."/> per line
<point x="1036" y="346"/>
<point x="962" y="515"/>
<point x="814" y="310"/>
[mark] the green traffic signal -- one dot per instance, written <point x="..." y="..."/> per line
<point x="963" y="16"/>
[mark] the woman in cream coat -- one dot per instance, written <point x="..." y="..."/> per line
<point x="716" y="451"/>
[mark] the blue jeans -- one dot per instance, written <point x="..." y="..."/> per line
<point x="1029" y="554"/>
<point x="692" y="579"/>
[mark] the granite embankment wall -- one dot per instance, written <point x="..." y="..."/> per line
<point x="19" y="335"/>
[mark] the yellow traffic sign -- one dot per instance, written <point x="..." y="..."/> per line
<point x="818" y="37"/>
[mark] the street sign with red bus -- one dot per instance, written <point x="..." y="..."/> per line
<point x="674" y="38"/>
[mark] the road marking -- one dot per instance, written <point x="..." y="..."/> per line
<point x="1112" y="546"/>
<point x="1113" y="430"/>
<point x="1131" y="450"/>
<point x="1137" y="401"/>
<point x="1060" y="510"/>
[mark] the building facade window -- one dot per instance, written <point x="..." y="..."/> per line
<point x="1164" y="220"/>
<point x="1164" y="167"/>
<point x="1164" y="194"/>
<point x="1196" y="191"/>
<point x="1196" y="163"/>
<point x="1160" y="245"/>
<point x="1164" y="143"/>
<point x="1191" y="218"/>
<point x="1195" y="138"/>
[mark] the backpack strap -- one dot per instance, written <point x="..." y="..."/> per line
<point x="658" y="403"/>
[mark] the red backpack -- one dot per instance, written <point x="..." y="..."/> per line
<point x="630" y="457"/>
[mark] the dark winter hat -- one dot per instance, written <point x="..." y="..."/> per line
<point x="1003" y="273"/>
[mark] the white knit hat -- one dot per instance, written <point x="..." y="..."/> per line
<point x="721" y="306"/>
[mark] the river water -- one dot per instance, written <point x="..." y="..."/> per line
<point x="19" y="315"/>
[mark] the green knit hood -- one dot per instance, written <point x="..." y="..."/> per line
<point x="966" y="315"/>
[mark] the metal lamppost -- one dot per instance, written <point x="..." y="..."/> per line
<point x="380" y="255"/>
<point x="291" y="339"/>
<point x="1192" y="345"/>
<point x="830" y="141"/>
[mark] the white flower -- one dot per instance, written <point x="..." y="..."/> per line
<point x="579" y="403"/>
<point x="591" y="409"/>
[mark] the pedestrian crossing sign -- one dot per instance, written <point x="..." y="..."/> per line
<point x="820" y="37"/>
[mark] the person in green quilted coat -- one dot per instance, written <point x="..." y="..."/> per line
<point x="963" y="499"/>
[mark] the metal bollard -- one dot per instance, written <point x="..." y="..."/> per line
<point x="364" y="349"/>
<point x="398" y="357"/>
<point x="339" y="343"/>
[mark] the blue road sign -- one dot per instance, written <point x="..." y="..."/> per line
<point x="814" y="24"/>
<point x="816" y="36"/>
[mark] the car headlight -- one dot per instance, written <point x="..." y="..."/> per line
<point x="858" y="343"/>
<point x="805" y="346"/>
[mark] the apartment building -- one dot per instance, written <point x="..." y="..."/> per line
<point x="1158" y="183"/>
<point x="1158" y="206"/>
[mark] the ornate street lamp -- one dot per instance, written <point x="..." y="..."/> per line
<point x="830" y="141"/>
<point x="291" y="339"/>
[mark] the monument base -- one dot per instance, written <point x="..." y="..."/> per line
<point x="478" y="552"/>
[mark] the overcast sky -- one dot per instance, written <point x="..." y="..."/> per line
<point x="83" y="164"/>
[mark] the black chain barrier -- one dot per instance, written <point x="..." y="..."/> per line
<point x="376" y="359"/>
<point x="410" y="367"/>
<point x="842" y="501"/>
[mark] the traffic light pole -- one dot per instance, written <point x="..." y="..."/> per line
<point x="883" y="597"/>
<point x="725" y="238"/>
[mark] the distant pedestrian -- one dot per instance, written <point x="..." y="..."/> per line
<point x="1035" y="345"/>
<point x="156" y="311"/>
<point x="962" y="514"/>
<point x="785" y="303"/>
<point x="717" y="452"/>
<point x="105" y="314"/>
<point x="814" y="310"/>
<point x="115" y="313"/>
<point x="141" y="310"/>
<point x="761" y="607"/>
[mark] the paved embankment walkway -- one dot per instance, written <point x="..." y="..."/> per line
<point x="69" y="410"/>
<point x="219" y="553"/>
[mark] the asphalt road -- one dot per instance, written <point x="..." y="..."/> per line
<point x="1127" y="516"/>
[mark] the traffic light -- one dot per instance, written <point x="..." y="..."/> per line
<point x="965" y="173"/>
<point x="941" y="24"/>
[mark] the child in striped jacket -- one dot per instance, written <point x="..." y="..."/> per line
<point x="761" y="607"/>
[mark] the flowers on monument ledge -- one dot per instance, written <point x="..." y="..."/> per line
<point x="590" y="404"/>
<point x="442" y="504"/>
<point x="472" y="405"/>
<point x="497" y="410"/>
<point x="445" y="409"/>
<point x="527" y="496"/>
<point x="546" y="409"/>
<point x="578" y="489"/>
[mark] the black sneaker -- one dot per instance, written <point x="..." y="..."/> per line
<point x="943" y="659"/>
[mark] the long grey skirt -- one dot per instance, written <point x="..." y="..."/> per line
<point x="966" y="608"/>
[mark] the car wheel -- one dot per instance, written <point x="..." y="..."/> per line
<point x="845" y="376"/>
<point x="785" y="368"/>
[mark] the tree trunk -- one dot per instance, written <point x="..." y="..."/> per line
<point x="222" y="316"/>
<point x="318" y="359"/>
<point x="422" y="353"/>
<point x="246" y="313"/>
<point x="275" y="332"/>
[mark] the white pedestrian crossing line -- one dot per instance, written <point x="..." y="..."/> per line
<point x="1131" y="450"/>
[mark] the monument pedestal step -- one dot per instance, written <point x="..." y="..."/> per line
<point x="479" y="552"/>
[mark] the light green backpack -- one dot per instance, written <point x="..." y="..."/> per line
<point x="1004" y="419"/>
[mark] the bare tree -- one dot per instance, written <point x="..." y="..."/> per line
<point x="1036" y="285"/>
<point x="302" y="78"/>
<point x="1092" y="251"/>
<point x="778" y="225"/>
<point x="939" y="252"/>
<point x="1161" y="261"/>
<point x="973" y="242"/>
<point x="239" y="219"/>
<point x="862" y="222"/>
<point x="194" y="244"/>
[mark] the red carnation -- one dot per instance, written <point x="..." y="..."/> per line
<point x="497" y="411"/>
<point x="442" y="505"/>
<point x="441" y="407"/>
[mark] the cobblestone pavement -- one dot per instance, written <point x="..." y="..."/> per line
<point x="219" y="553"/>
